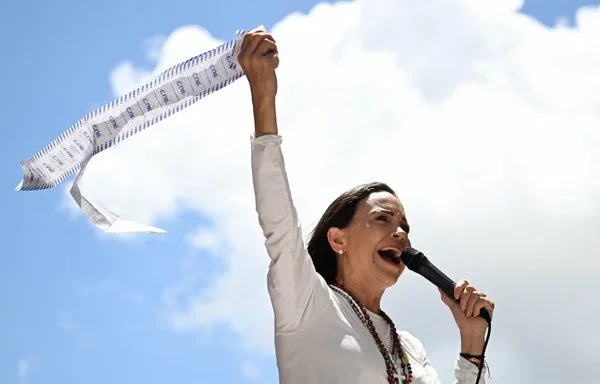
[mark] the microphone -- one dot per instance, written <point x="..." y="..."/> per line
<point x="417" y="262"/>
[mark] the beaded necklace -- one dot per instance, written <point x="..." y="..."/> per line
<point x="396" y="353"/>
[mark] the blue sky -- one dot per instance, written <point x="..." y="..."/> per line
<point x="82" y="308"/>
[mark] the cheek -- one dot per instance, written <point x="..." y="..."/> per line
<point x="363" y="243"/>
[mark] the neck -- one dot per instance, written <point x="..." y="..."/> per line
<point x="366" y="296"/>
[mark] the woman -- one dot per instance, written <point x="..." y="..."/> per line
<point x="329" y="327"/>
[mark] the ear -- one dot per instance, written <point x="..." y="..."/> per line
<point x="337" y="239"/>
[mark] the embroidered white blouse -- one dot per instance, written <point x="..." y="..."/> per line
<point x="318" y="337"/>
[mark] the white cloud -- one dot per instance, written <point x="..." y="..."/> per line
<point x="23" y="369"/>
<point x="485" y="121"/>
<point x="251" y="371"/>
<point x="206" y="239"/>
<point x="106" y="289"/>
<point x="65" y="321"/>
<point x="154" y="46"/>
<point x="126" y="76"/>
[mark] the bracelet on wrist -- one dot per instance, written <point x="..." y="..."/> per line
<point x="474" y="359"/>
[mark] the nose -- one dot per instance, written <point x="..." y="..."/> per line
<point x="399" y="232"/>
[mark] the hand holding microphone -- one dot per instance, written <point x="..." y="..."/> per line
<point x="462" y="296"/>
<point x="472" y="309"/>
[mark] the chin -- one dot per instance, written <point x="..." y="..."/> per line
<point x="390" y="277"/>
<point x="388" y="269"/>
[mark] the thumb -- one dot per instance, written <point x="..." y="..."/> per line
<point x="449" y="301"/>
<point x="273" y="58"/>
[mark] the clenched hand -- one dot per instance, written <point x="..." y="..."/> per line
<point x="259" y="58"/>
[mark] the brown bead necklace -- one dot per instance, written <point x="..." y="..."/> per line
<point x="396" y="353"/>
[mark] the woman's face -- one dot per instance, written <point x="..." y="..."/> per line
<point x="374" y="240"/>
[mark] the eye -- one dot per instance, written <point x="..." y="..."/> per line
<point x="383" y="218"/>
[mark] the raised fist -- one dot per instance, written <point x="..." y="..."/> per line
<point x="259" y="58"/>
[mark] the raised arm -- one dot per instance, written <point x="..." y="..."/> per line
<point x="298" y="294"/>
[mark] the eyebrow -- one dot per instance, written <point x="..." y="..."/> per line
<point x="380" y="209"/>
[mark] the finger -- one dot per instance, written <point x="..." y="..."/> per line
<point x="465" y="296"/>
<point x="445" y="297"/>
<point x="449" y="302"/>
<point x="473" y="299"/>
<point x="255" y="41"/>
<point x="269" y="36"/>
<point x="257" y="29"/>
<point x="245" y="42"/>
<point x="460" y="286"/>
<point x="478" y="306"/>
<point x="266" y="47"/>
<point x="489" y="305"/>
<point x="483" y="303"/>
<point x="243" y="55"/>
<point x="248" y="38"/>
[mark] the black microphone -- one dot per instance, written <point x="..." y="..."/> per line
<point x="417" y="262"/>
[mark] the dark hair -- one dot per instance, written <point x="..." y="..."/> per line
<point x="339" y="214"/>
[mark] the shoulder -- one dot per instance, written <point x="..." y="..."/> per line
<point x="412" y="344"/>
<point x="410" y="339"/>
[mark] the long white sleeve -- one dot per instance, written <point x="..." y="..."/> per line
<point x="465" y="372"/>
<point x="298" y="294"/>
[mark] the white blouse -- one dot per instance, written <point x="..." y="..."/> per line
<point x="318" y="337"/>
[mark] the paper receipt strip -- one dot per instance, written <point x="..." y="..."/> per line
<point x="168" y="93"/>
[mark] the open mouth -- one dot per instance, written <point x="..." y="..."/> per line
<point x="390" y="254"/>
